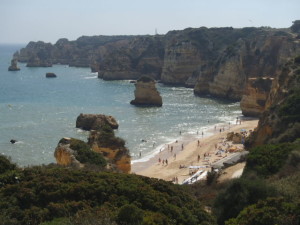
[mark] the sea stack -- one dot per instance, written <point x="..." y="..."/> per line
<point x="13" y="65"/>
<point x="146" y="93"/>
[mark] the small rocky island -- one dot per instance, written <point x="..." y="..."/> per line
<point x="51" y="75"/>
<point x="146" y="93"/>
<point x="13" y="65"/>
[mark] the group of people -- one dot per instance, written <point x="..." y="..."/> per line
<point x="164" y="161"/>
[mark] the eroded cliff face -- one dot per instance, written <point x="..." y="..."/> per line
<point x="215" y="61"/>
<point x="146" y="93"/>
<point x="255" y="96"/>
<point x="64" y="155"/>
<point x="257" y="55"/>
<point x="280" y="122"/>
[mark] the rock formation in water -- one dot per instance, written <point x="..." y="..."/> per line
<point x="13" y="65"/>
<point x="95" y="121"/>
<point x="146" y="93"/>
<point x="51" y="75"/>
<point x="255" y="96"/>
<point x="215" y="61"/>
<point x="103" y="140"/>
<point x="280" y="122"/>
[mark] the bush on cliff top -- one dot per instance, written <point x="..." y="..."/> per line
<point x="85" y="154"/>
<point x="46" y="193"/>
<point x="267" y="160"/>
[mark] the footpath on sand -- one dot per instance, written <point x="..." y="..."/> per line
<point x="201" y="153"/>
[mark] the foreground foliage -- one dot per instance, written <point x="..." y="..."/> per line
<point x="47" y="193"/>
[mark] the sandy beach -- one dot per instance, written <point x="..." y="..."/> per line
<point x="204" y="152"/>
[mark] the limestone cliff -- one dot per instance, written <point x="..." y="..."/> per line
<point x="280" y="122"/>
<point x="255" y="96"/>
<point x="145" y="93"/>
<point x="215" y="61"/>
<point x="64" y="155"/>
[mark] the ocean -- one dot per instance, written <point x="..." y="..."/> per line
<point x="38" y="112"/>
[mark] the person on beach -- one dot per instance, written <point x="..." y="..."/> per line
<point x="202" y="133"/>
<point x="198" y="143"/>
<point x="175" y="156"/>
<point x="181" y="146"/>
<point x="166" y="162"/>
<point x="163" y="162"/>
<point x="171" y="149"/>
<point x="198" y="157"/>
<point x="220" y="130"/>
<point x="140" y="154"/>
<point x="159" y="160"/>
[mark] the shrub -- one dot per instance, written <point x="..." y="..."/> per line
<point x="239" y="194"/>
<point x="268" y="159"/>
<point x="269" y="211"/>
<point x="5" y="164"/>
<point x="85" y="154"/>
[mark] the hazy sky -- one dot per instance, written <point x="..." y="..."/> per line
<point x="22" y="21"/>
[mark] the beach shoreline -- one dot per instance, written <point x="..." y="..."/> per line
<point x="191" y="151"/>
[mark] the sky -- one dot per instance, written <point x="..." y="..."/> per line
<point x="22" y="21"/>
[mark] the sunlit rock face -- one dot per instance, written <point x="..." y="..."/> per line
<point x="255" y="96"/>
<point x="280" y="122"/>
<point x="146" y="93"/>
<point x="95" y="121"/>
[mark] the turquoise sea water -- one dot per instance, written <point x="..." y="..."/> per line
<point x="38" y="111"/>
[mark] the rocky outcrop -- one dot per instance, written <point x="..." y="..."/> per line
<point x="51" y="75"/>
<point x="103" y="140"/>
<point x="145" y="93"/>
<point x="64" y="155"/>
<point x="112" y="148"/>
<point x="255" y="96"/>
<point x="13" y="65"/>
<point x="280" y="122"/>
<point x="95" y="121"/>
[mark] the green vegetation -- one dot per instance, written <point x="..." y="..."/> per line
<point x="108" y="139"/>
<point x="269" y="211"/>
<point x="289" y="111"/>
<point x="239" y="194"/>
<point x="62" y="195"/>
<point x="267" y="160"/>
<point x="85" y="154"/>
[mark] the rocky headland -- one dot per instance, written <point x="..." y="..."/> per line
<point x="280" y="121"/>
<point x="214" y="61"/>
<point x="146" y="93"/>
<point x="103" y="148"/>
